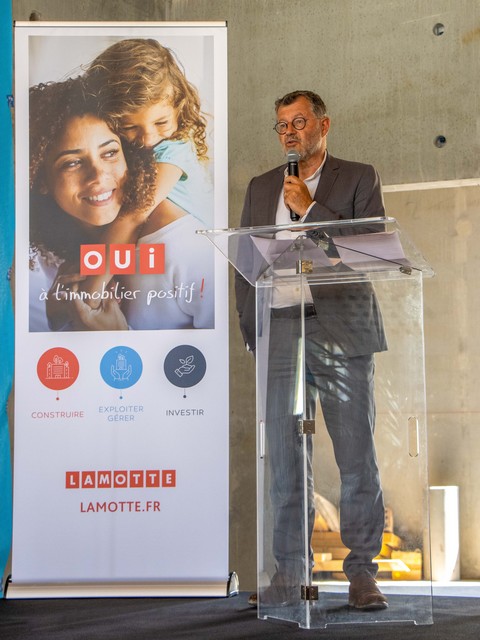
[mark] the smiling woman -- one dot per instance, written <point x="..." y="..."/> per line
<point x="85" y="171"/>
<point x="81" y="174"/>
<point x="81" y="177"/>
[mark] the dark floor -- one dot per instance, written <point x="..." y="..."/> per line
<point x="455" y="618"/>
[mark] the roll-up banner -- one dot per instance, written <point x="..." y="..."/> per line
<point x="121" y="385"/>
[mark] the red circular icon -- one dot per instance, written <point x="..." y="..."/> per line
<point x="58" y="368"/>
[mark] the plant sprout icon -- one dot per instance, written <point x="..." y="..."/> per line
<point x="186" y="366"/>
<point x="121" y="371"/>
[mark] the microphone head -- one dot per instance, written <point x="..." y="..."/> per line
<point x="293" y="156"/>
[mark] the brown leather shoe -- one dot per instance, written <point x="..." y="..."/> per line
<point x="364" y="593"/>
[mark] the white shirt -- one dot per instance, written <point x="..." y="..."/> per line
<point x="289" y="294"/>
<point x="283" y="212"/>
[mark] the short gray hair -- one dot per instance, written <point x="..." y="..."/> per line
<point x="318" y="105"/>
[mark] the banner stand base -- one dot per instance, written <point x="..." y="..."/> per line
<point x="20" y="591"/>
<point x="233" y="585"/>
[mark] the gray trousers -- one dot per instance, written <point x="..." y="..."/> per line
<point x="345" y="388"/>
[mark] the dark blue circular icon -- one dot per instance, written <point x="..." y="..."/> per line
<point x="185" y="366"/>
<point x="121" y="367"/>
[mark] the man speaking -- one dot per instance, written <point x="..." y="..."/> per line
<point x="343" y="330"/>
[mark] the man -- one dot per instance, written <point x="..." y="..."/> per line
<point x="343" y="329"/>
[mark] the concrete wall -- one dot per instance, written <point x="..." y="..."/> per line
<point x="392" y="87"/>
<point x="446" y="223"/>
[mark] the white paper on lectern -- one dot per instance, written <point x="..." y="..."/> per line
<point x="284" y="254"/>
<point x="367" y="248"/>
<point x="272" y="248"/>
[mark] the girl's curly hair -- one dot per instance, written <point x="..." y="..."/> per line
<point x="135" y="73"/>
<point x="52" y="105"/>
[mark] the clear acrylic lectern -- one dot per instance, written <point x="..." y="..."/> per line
<point x="357" y="278"/>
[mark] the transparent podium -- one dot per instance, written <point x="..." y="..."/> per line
<point x="341" y="418"/>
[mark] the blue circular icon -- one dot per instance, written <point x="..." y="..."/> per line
<point x="185" y="366"/>
<point x="121" y="367"/>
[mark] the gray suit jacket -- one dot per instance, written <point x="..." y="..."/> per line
<point x="348" y="314"/>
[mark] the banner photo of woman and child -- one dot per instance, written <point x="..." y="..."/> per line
<point x="121" y="307"/>
<point x="121" y="177"/>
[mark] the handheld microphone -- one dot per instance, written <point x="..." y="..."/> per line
<point x="292" y="170"/>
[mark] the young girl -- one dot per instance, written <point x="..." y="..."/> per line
<point x="145" y="96"/>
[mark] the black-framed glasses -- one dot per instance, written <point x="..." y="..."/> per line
<point x="297" y="123"/>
